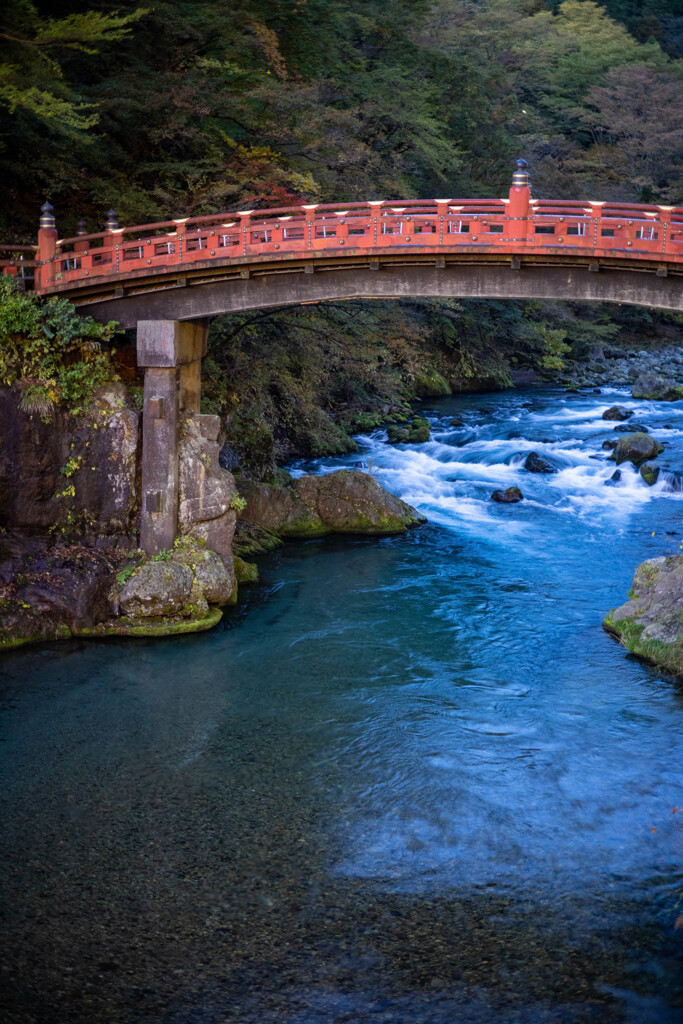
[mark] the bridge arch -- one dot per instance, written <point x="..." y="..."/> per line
<point x="505" y="276"/>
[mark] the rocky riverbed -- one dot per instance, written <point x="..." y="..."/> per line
<point x="604" y="365"/>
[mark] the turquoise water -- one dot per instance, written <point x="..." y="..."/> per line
<point x="407" y="780"/>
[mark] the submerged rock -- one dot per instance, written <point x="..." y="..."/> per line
<point x="343" y="502"/>
<point x="636" y="448"/>
<point x="535" y="463"/>
<point x="617" y="412"/>
<point x="508" y="497"/>
<point x="649" y="624"/>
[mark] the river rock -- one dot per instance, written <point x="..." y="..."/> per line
<point x="157" y="589"/>
<point x="508" y="496"/>
<point x="54" y="593"/>
<point x="535" y="463"/>
<point x="656" y="389"/>
<point x="636" y="448"/>
<point x="416" y="432"/>
<point x="631" y="428"/>
<point x="649" y="473"/>
<point x="614" y="479"/>
<point x="245" y="572"/>
<point x="343" y="502"/>
<point x="649" y="624"/>
<point x="216" y="584"/>
<point x="609" y="445"/>
<point x="617" y="412"/>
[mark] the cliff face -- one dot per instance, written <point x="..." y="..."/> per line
<point x="63" y="477"/>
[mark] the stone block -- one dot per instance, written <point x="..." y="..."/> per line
<point x="168" y="343"/>
<point x="209" y="426"/>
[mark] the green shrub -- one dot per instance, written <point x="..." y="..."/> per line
<point x="50" y="353"/>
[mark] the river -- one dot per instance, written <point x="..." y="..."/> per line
<point x="407" y="779"/>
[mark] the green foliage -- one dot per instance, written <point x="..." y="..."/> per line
<point x="125" y="574"/>
<point x="50" y="353"/>
<point x="238" y="503"/>
<point x="162" y="556"/>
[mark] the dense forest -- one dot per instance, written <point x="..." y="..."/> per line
<point x="184" y="108"/>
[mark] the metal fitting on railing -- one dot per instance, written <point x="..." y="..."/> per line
<point x="47" y="219"/>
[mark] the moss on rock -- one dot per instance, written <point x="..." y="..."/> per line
<point x="245" y="572"/>
<point x="650" y="624"/>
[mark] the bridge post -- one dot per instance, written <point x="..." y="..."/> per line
<point x="519" y="205"/>
<point x="47" y="242"/>
<point x="171" y="352"/>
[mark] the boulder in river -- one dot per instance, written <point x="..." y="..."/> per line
<point x="614" y="479"/>
<point x="609" y="445"/>
<point x="631" y="428"/>
<point x="535" y="463"/>
<point x="649" y="473"/>
<point x="636" y="448"/>
<point x="508" y="497"/>
<point x="649" y="624"/>
<point x="656" y="389"/>
<point x="617" y="412"/>
<point x="343" y="502"/>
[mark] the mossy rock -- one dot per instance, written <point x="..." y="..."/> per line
<point x="245" y="572"/>
<point x="251" y="539"/>
<point x="431" y="384"/>
<point x="363" y="422"/>
<point x="155" y="628"/>
<point x="636" y="448"/>
<point x="416" y="432"/>
<point x="280" y="477"/>
<point x="650" y="623"/>
<point x="649" y="473"/>
<point x="343" y="502"/>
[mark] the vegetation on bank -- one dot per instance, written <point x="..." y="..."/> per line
<point x="50" y="353"/>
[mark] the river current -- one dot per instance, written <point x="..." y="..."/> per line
<point x="407" y="779"/>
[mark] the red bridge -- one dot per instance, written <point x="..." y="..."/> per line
<point x="196" y="267"/>
<point x="166" y="279"/>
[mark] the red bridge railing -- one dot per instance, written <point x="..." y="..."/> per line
<point x="517" y="225"/>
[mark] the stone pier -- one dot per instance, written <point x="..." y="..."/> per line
<point x="171" y="353"/>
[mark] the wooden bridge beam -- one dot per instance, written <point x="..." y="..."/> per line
<point x="171" y="352"/>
